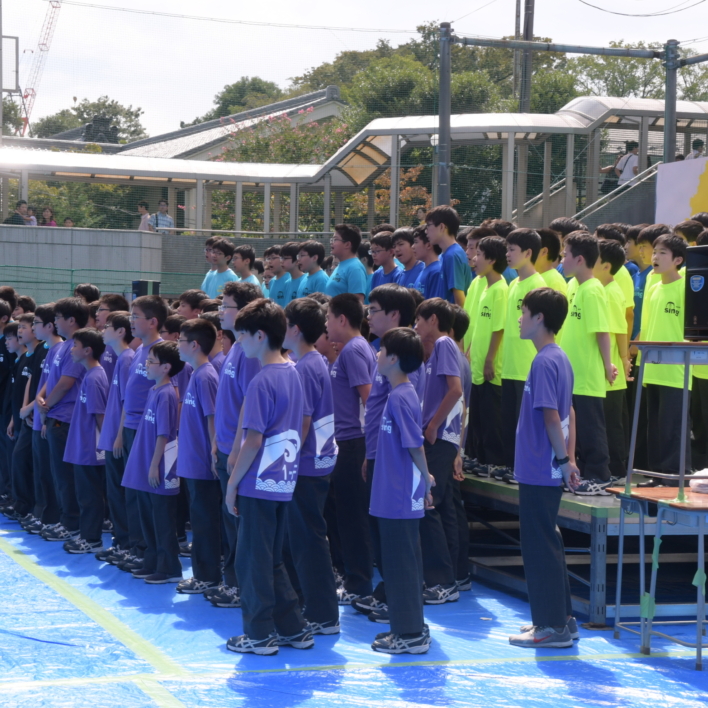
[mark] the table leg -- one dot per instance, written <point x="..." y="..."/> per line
<point x="700" y="592"/>
<point x="652" y="587"/>
<point x="620" y="557"/>
<point x="598" y="571"/>
<point x="642" y="573"/>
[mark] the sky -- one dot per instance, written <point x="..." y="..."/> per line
<point x="172" y="67"/>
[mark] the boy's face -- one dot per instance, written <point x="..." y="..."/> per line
<point x="63" y="325"/>
<point x="186" y="310"/>
<point x="140" y="325"/>
<point x="482" y="266"/>
<point x="154" y="371"/>
<point x="339" y="248"/>
<point x="385" y="364"/>
<point x="79" y="352"/>
<point x="471" y="251"/>
<point x="208" y="255"/>
<point x="435" y="234"/>
<point x="25" y="335"/>
<point x="515" y="257"/>
<point x="335" y="326"/>
<point x="528" y="323"/>
<point x="251" y="343"/>
<point x="101" y="315"/>
<point x="631" y="250"/>
<point x="380" y="321"/>
<point x="275" y="264"/>
<point x="169" y="336"/>
<point x="403" y="251"/>
<point x="240" y="266"/>
<point x="570" y="262"/>
<point x="292" y="336"/>
<point x="110" y="335"/>
<point x="426" y="328"/>
<point x="646" y="251"/>
<point x="381" y="256"/>
<point x="306" y="261"/>
<point x="68" y="223"/>
<point x="324" y="346"/>
<point x="289" y="265"/>
<point x="228" y="312"/>
<point x="12" y="343"/>
<point x="41" y="331"/>
<point x="663" y="260"/>
<point x="219" y="258"/>
<point x="187" y="350"/>
<point x="142" y="210"/>
<point x="419" y="249"/>
<point x="17" y="312"/>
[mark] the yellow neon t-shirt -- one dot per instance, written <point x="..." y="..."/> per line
<point x="491" y="313"/>
<point x="626" y="284"/>
<point x="518" y="353"/>
<point x="471" y="301"/>
<point x="618" y="325"/>
<point x="555" y="280"/>
<point x="664" y="323"/>
<point x="587" y="315"/>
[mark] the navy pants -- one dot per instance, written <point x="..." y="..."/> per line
<point x="63" y="474"/>
<point x="115" y="493"/>
<point x="591" y="441"/>
<point x="205" y="515"/>
<point x="90" y="480"/>
<point x="230" y="525"/>
<point x="47" y="506"/>
<point x="136" y="541"/>
<point x="22" y="476"/>
<point x="158" y="517"/>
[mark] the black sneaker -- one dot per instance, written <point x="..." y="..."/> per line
<point x="365" y="605"/>
<point x="36" y="527"/>
<point x="245" y="645"/>
<point x="464" y="584"/>
<point x="344" y="597"/>
<point x="160" y="578"/>
<point x="572" y="628"/>
<point x="509" y="478"/>
<point x="79" y="545"/>
<point x="398" y="644"/>
<point x="225" y="596"/>
<point x="481" y="471"/>
<point x="185" y="550"/>
<point x="301" y="640"/>
<point x="61" y="534"/>
<point x="105" y="553"/>
<point x="142" y="573"/>
<point x="499" y="472"/>
<point x="331" y="627"/>
<point x="118" y="556"/>
<point x="426" y="631"/>
<point x="379" y="616"/>
<point x="440" y="594"/>
<point x="10" y="513"/>
<point x="192" y="586"/>
<point x="130" y="564"/>
<point x="592" y="488"/>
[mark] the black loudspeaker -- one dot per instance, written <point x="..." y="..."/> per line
<point x="696" y="319"/>
<point x="145" y="287"/>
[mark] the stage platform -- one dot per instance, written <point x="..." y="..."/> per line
<point x="80" y="634"/>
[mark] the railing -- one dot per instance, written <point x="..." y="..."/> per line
<point x="538" y="198"/>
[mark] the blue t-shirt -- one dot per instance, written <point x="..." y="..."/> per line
<point x="632" y="267"/>
<point x="312" y="283"/>
<point x="549" y="385"/>
<point x="455" y="272"/>
<point x="348" y="277"/>
<point x="408" y="278"/>
<point x="429" y="282"/>
<point x="213" y="283"/>
<point x="640" y="281"/>
<point x="509" y="274"/>
<point x="278" y="288"/>
<point x="291" y="288"/>
<point x="381" y="278"/>
<point x="252" y="279"/>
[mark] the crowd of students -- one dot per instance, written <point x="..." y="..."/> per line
<point x="312" y="431"/>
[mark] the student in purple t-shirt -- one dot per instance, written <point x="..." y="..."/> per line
<point x="307" y="528"/>
<point x="82" y="444"/>
<point x="147" y="316"/>
<point x="545" y="458"/>
<point x="107" y="303"/>
<point x="261" y="484"/>
<point x="399" y="497"/>
<point x="117" y="337"/>
<point x="352" y="374"/>
<point x="442" y="422"/>
<point x="194" y="460"/>
<point x="151" y="469"/>
<point x="237" y="372"/>
<point x="216" y="355"/>
<point x="57" y="404"/>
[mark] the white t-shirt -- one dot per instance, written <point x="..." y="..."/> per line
<point x="694" y="155"/>
<point x="144" y="219"/>
<point x="626" y="166"/>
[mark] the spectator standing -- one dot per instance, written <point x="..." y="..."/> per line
<point x="18" y="217"/>
<point x="161" y="221"/>
<point x="143" y="208"/>
<point x="628" y="167"/>
<point x="47" y="217"/>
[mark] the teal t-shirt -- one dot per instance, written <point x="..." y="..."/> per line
<point x="278" y="288"/>
<point x="252" y="279"/>
<point x="313" y="283"/>
<point x="292" y="287"/>
<point x="213" y="283"/>
<point x="348" y="277"/>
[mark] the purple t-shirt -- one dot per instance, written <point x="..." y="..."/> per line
<point x="82" y="442"/>
<point x="398" y="489"/>
<point x="355" y="366"/>
<point x="116" y="393"/>
<point x="443" y="362"/>
<point x="160" y="418"/>
<point x="194" y="456"/>
<point x="274" y="405"/>
<point x="37" y="418"/>
<point x="319" y="450"/>
<point x="108" y="362"/>
<point x="63" y="365"/>
<point x="137" y="388"/>
<point x="549" y="385"/>
<point x="236" y="373"/>
<point x="217" y="361"/>
<point x="181" y="381"/>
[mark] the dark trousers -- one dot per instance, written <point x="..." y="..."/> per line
<point x="463" y="534"/>
<point x="47" y="509"/>
<point x="472" y="437"/>
<point x="591" y="438"/>
<point x="617" y="428"/>
<point x="438" y="528"/>
<point x="380" y="590"/>
<point x="5" y="456"/>
<point x="158" y="517"/>
<point x="640" y="451"/>
<point x="230" y="525"/>
<point x="664" y="429"/>
<point x="486" y="420"/>
<point x="309" y="549"/>
<point x="115" y="493"/>
<point x="136" y="541"/>
<point x="699" y="418"/>
<point x="63" y="474"/>
<point x="543" y="554"/>
<point x="90" y="480"/>
<point x="402" y="571"/>
<point x="268" y="601"/>
<point x="205" y="514"/>
<point x="512" y="391"/>
<point x="352" y="511"/>
<point x="22" y="476"/>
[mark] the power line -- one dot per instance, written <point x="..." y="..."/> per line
<point x="477" y="9"/>
<point x="225" y="20"/>
<point x="669" y="11"/>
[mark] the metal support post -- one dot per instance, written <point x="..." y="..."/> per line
<point x="517" y="52"/>
<point x="444" y="110"/>
<point x="327" y="214"/>
<point x="172" y="203"/>
<point x="521" y="182"/>
<point x="598" y="570"/>
<point x="266" y="207"/>
<point x="508" y="177"/>
<point x="593" y="168"/>
<point x="338" y="207"/>
<point x="644" y="143"/>
<point x="238" y="207"/>
<point x="5" y="196"/>
<point x="1" y="75"/>
<point x="293" y="208"/>
<point x="208" y="193"/>
<point x="546" y="204"/>
<point x="276" y="211"/>
<point x="371" y="207"/>
<point x="526" y="68"/>
<point x="199" y="206"/>
<point x="395" y="179"/>
<point x="24" y="185"/>
<point x="570" y="205"/>
<point x="671" y="62"/>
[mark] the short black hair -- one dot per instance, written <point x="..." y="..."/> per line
<point x="526" y="240"/>
<point x="271" y="251"/>
<point x="675" y="244"/>
<point x="258" y="266"/>
<point x="702" y="239"/>
<point x="622" y="227"/>
<point x="20" y="203"/>
<point x="290" y="250"/>
<point x="265" y="316"/>
<point x="242" y="293"/>
<point x="72" y="307"/>
<point x="652" y="232"/>
<point x="612" y="252"/>
<point x="26" y="303"/>
<point x="6" y="310"/>
<point x="550" y="240"/>
<point x="633" y="232"/>
<point x="565" y="225"/>
<point x="313" y="248"/>
<point x="153" y="306"/>
<point x="363" y="253"/>
<point x="701" y="217"/>
<point x="350" y="306"/>
<point x="246" y="252"/>
<point x="392" y="296"/>
<point x="403" y="234"/>
<point x="581" y="243"/>
<point x="420" y="234"/>
<point x="349" y="233"/>
<point x="200" y="331"/>
<point x="168" y="353"/>
<point x="463" y="234"/>
<point x="461" y="323"/>
<point x="610" y="232"/>
<point x="494" y="249"/>
<point x="697" y="143"/>
<point x="9" y="295"/>
<point x="114" y="302"/>
<point x="212" y="317"/>
<point x="10" y="330"/>
<point x="380" y="228"/>
<point x="383" y="239"/>
<point x="88" y="291"/>
<point x="444" y="214"/>
<point x="501" y="227"/>
<point x="174" y="323"/>
<point x="91" y="338"/>
<point x="209" y="305"/>
<point x="417" y="298"/>
<point x="479" y="233"/>
<point x="26" y="317"/>
<point x="309" y="316"/>
<point x="121" y="319"/>
<point x="404" y="343"/>
<point x="193" y="298"/>
<point x="549" y="303"/>
<point x="690" y="229"/>
<point x="162" y="201"/>
<point x="631" y="145"/>
<point x="45" y="313"/>
<point x="225" y="246"/>
<point x="321" y="298"/>
<point x="144" y="204"/>
<point x="441" y="309"/>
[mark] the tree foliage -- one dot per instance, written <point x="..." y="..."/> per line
<point x="11" y="117"/>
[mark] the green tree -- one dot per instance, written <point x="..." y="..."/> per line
<point x="11" y="117"/>
<point x="552" y="89"/>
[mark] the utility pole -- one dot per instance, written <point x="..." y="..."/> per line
<point x="527" y="64"/>
<point x="517" y="52"/>
<point x="2" y="118"/>
<point x="445" y="109"/>
<point x="672" y="63"/>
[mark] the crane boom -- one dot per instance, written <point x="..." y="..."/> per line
<point x="40" y="58"/>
